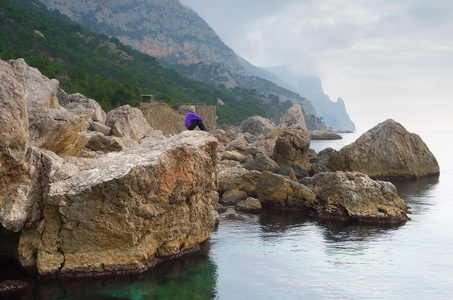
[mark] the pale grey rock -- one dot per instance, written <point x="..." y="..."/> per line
<point x="386" y="151"/>
<point x="257" y="126"/>
<point x="293" y="116"/>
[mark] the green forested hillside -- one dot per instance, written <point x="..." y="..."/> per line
<point x="102" y="68"/>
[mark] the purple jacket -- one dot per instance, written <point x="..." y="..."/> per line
<point x="191" y="116"/>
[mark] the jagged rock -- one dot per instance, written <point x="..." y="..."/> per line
<point x="99" y="220"/>
<point x="100" y="127"/>
<point x="386" y="151"/>
<point x="238" y="179"/>
<point x="293" y="116"/>
<point x="261" y="162"/>
<point x="232" y="197"/>
<point x="105" y="144"/>
<point x="354" y="196"/>
<point x="291" y="148"/>
<point x="128" y="124"/>
<point x="289" y="172"/>
<point x="277" y="191"/>
<point x="66" y="139"/>
<point x="266" y="146"/>
<point x="13" y="124"/>
<point x="249" y="205"/>
<point x="324" y="135"/>
<point x="312" y="156"/>
<point x="41" y="91"/>
<point x="233" y="155"/>
<point x="257" y="126"/>
<point x="81" y="105"/>
<point x="222" y="138"/>
<point x="275" y="133"/>
<point x="317" y="168"/>
<point x="239" y="144"/>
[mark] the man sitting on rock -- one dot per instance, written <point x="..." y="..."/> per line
<point x="193" y="120"/>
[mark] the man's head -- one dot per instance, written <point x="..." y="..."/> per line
<point x="192" y="108"/>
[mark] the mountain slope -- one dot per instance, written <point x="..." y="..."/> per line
<point x="164" y="29"/>
<point x="104" y="69"/>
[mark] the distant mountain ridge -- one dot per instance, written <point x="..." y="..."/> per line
<point x="178" y="36"/>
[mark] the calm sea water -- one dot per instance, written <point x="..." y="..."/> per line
<point x="283" y="255"/>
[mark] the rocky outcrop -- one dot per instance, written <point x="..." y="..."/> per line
<point x="249" y="205"/>
<point x="386" y="151"/>
<point x="352" y="196"/>
<point x="100" y="219"/>
<point x="122" y="210"/>
<point x="257" y="126"/>
<point x="291" y="147"/>
<point x="277" y="191"/>
<point x="293" y="116"/>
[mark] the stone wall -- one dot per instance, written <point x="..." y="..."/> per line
<point x="162" y="117"/>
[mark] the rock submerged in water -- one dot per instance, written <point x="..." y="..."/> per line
<point x="387" y="151"/>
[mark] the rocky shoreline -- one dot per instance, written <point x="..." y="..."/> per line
<point x="91" y="193"/>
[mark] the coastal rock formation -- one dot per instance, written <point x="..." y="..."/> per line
<point x="386" y="151"/>
<point x="257" y="126"/>
<point x="293" y="116"/>
<point x="277" y="191"/>
<point x="249" y="205"/>
<point x="354" y="196"/>
<point x="291" y="147"/>
<point x="121" y="211"/>
<point x="128" y="124"/>
<point x="132" y="208"/>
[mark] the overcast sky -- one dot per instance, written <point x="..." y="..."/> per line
<point x="385" y="58"/>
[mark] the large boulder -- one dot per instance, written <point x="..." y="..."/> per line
<point x="81" y="105"/>
<point x="128" y="211"/>
<point x="257" y="126"/>
<point x="261" y="162"/>
<point x="293" y="116"/>
<point x="277" y="191"/>
<point x="387" y="151"/>
<point x="13" y="142"/>
<point x="353" y="196"/>
<point x="128" y="123"/>
<point x="238" y="179"/>
<point x="291" y="147"/>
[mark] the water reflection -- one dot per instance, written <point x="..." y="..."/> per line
<point x="194" y="274"/>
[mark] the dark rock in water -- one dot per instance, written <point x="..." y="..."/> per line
<point x="249" y="205"/>
<point x="324" y="135"/>
<point x="387" y="151"/>
<point x="8" y="286"/>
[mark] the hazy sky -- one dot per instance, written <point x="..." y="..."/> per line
<point x="385" y="58"/>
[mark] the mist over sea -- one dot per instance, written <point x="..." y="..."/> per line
<point x="283" y="255"/>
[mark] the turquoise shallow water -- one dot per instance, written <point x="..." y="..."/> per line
<point x="283" y="255"/>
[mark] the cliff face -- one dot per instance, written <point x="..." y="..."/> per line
<point x="164" y="29"/>
<point x="333" y="113"/>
